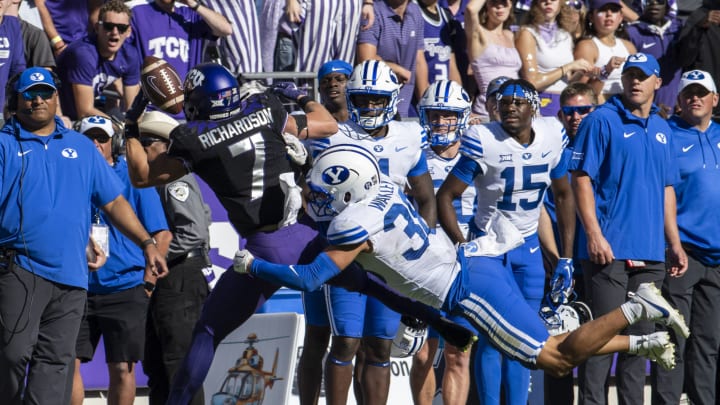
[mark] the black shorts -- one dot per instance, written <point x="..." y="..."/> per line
<point x="120" y="319"/>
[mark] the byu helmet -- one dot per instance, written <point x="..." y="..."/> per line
<point x="409" y="339"/>
<point x="373" y="77"/>
<point x="341" y="175"/>
<point x="444" y="95"/>
<point x="566" y="317"/>
<point x="211" y="93"/>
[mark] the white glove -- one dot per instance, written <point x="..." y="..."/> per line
<point x="295" y="149"/>
<point x="293" y="199"/>
<point x="242" y="261"/>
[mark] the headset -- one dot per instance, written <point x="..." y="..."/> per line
<point x="11" y="94"/>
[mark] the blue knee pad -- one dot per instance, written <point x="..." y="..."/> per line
<point x="332" y="359"/>
<point x="383" y="364"/>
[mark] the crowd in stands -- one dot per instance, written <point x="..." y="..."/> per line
<point x="604" y="71"/>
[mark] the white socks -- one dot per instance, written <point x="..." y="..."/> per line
<point x="633" y="311"/>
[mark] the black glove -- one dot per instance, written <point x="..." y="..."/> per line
<point x="137" y="108"/>
<point x="288" y="90"/>
<point x="132" y="130"/>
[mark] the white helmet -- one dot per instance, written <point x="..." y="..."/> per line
<point x="373" y="77"/>
<point x="565" y="317"/>
<point x="409" y="339"/>
<point x="341" y="175"/>
<point x="445" y="95"/>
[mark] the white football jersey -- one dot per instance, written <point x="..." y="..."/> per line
<point x="417" y="263"/>
<point x="439" y="167"/>
<point x="397" y="153"/>
<point x="514" y="176"/>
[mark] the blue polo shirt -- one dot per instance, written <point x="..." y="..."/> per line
<point x="125" y="266"/>
<point x="47" y="185"/>
<point x="629" y="160"/>
<point x="698" y="158"/>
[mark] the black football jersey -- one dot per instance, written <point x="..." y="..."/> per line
<point x="241" y="159"/>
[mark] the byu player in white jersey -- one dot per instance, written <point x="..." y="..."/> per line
<point x="371" y="102"/>
<point x="375" y="224"/>
<point x="444" y="111"/>
<point x="511" y="163"/>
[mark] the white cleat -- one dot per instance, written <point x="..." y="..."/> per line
<point x="657" y="308"/>
<point x="658" y="348"/>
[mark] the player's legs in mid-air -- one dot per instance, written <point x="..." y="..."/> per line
<point x="490" y="300"/>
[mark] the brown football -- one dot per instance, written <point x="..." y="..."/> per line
<point x="162" y="85"/>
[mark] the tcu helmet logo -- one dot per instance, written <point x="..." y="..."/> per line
<point x="194" y="78"/>
<point x="335" y="175"/>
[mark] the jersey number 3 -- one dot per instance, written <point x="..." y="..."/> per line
<point x="413" y="227"/>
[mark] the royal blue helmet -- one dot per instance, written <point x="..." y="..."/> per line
<point x="211" y="93"/>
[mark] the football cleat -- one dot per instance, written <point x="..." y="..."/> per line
<point x="658" y="348"/>
<point x="655" y="307"/>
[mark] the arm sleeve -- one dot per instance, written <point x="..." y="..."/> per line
<point x="303" y="277"/>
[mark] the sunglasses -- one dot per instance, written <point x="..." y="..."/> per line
<point x="45" y="94"/>
<point x="147" y="141"/>
<point x="580" y="109"/>
<point x="108" y="26"/>
<point x="101" y="138"/>
<point x="576" y="4"/>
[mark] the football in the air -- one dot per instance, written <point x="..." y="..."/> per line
<point x="162" y="85"/>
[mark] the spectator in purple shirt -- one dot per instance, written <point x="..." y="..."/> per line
<point x="66" y="21"/>
<point x="175" y="31"/>
<point x="12" y="56"/>
<point x="98" y="62"/>
<point x="397" y="38"/>
<point x="656" y="33"/>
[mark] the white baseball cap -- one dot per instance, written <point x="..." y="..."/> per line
<point x="157" y="124"/>
<point x="97" y="121"/>
<point x="700" y="77"/>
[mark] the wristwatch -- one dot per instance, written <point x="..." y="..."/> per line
<point x="198" y="3"/>
<point x="148" y="242"/>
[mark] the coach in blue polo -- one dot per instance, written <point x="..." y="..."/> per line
<point x="623" y="171"/>
<point x="50" y="177"/>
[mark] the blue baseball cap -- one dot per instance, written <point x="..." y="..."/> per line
<point x="643" y="61"/>
<point x="335" y="66"/>
<point x="494" y="86"/>
<point x="35" y="76"/>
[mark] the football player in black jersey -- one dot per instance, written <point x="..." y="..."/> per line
<point x="234" y="140"/>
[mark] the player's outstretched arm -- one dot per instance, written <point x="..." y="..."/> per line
<point x="303" y="277"/>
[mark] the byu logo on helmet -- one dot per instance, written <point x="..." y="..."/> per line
<point x="335" y="175"/>
<point x="96" y="120"/>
